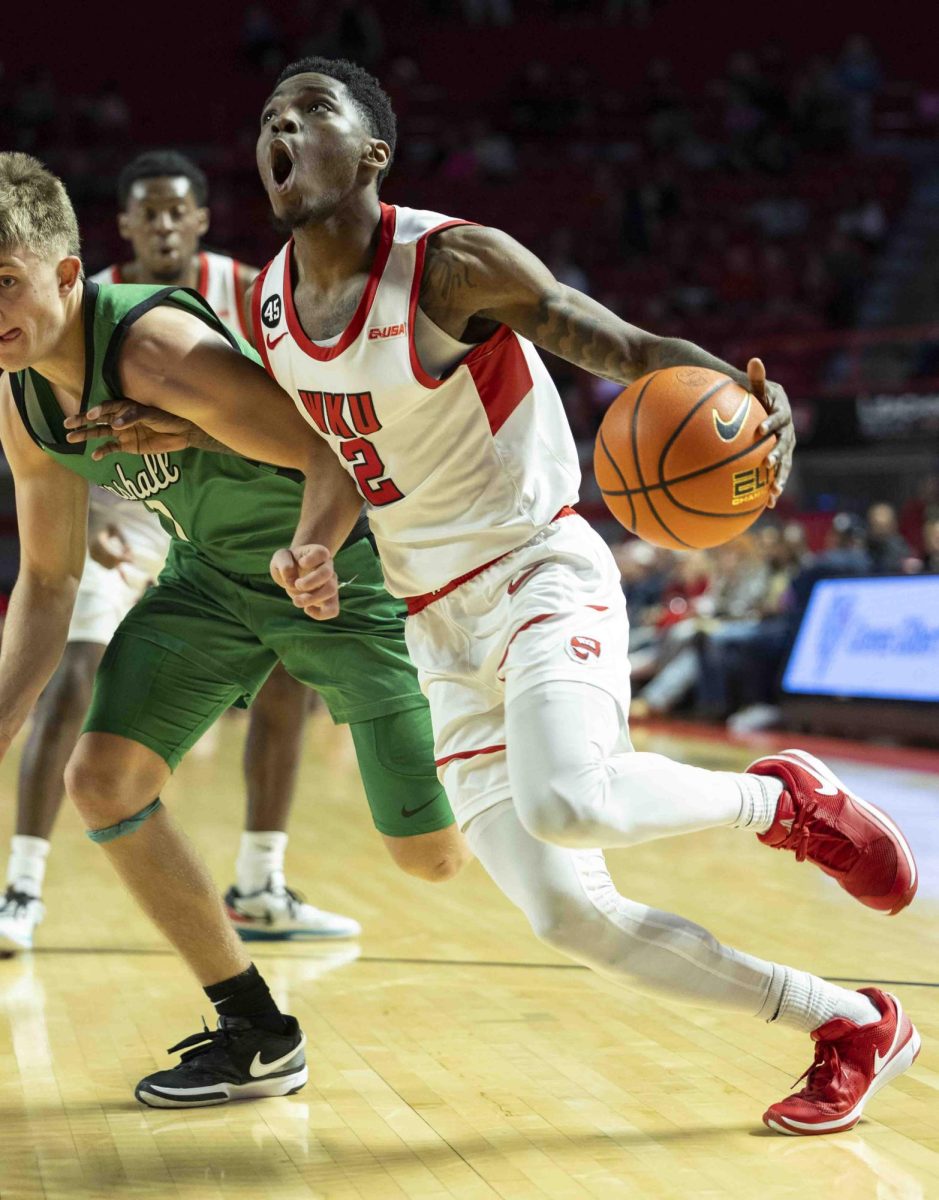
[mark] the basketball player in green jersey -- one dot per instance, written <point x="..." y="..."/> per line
<point x="210" y="632"/>
<point x="163" y="214"/>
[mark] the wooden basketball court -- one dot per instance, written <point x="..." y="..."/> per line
<point x="454" y="1058"/>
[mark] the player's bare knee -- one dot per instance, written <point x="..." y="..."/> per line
<point x="107" y="774"/>
<point x="94" y="787"/>
<point x="434" y="858"/>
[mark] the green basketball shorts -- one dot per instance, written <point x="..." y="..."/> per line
<point x="202" y="640"/>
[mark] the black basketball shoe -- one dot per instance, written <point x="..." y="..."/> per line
<point x="237" y="1061"/>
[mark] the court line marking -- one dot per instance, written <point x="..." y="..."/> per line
<point x="433" y="962"/>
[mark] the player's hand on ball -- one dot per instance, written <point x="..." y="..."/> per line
<point x="774" y="399"/>
<point x="130" y="428"/>
<point x="308" y="576"/>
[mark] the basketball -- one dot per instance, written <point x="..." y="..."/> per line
<point x="680" y="461"/>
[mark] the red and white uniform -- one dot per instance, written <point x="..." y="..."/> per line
<point x="218" y="282"/>
<point x="106" y="596"/>
<point x="469" y="479"/>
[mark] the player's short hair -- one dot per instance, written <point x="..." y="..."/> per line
<point x="35" y="211"/>
<point x="369" y="97"/>
<point x="154" y="164"/>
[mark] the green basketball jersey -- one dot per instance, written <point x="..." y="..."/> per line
<point x="232" y="511"/>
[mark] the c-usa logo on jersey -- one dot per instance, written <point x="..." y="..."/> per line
<point x="271" y="311"/>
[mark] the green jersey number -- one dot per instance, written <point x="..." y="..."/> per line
<point x="158" y="506"/>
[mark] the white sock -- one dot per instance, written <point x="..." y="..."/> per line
<point x="759" y="801"/>
<point x="804" y="1002"/>
<point x="261" y="861"/>
<point x="27" y="866"/>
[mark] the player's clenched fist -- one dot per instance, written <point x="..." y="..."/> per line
<point x="309" y="578"/>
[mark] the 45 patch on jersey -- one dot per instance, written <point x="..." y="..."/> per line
<point x="271" y="311"/>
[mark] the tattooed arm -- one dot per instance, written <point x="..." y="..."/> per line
<point x="476" y="279"/>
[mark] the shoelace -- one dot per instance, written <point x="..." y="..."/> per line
<point x="823" y="1069"/>
<point x="15" y="901"/>
<point x="805" y="828"/>
<point x="200" y="1042"/>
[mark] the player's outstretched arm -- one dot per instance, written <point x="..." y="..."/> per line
<point x="474" y="275"/>
<point x="52" y="514"/>
<point x="173" y="361"/>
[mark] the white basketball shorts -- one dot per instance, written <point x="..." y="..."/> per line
<point x="551" y="610"/>
<point x="105" y="597"/>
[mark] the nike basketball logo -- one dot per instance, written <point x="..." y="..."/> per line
<point x="259" y="1068"/>
<point x="827" y="788"/>
<point x="272" y="342"/>
<point x="412" y="812"/>
<point x="517" y="582"/>
<point x="728" y="430"/>
<point x="881" y="1060"/>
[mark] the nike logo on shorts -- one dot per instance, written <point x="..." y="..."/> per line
<point x="272" y="342"/>
<point x="412" y="812"/>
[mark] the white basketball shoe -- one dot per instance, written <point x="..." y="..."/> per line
<point x="279" y="913"/>
<point x="20" y="913"/>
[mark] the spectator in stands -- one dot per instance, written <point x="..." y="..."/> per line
<point x="262" y="39"/>
<point x="355" y="32"/>
<point x="488" y="12"/>
<point x="560" y="258"/>
<point x="864" y="219"/>
<point x="858" y="71"/>
<point x="846" y="269"/>
<point x="931" y="547"/>
<point x="821" y="114"/>
<point x="920" y="511"/>
<point x="494" y="152"/>
<point x="888" y="551"/>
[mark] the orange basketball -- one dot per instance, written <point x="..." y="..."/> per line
<point x="680" y="460"/>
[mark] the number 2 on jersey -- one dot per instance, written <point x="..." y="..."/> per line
<point x="369" y="471"/>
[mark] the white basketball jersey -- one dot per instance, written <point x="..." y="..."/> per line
<point x="218" y="283"/>
<point x="455" y="471"/>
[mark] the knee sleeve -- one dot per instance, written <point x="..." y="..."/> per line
<point x="128" y="825"/>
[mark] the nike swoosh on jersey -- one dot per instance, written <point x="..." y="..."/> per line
<point x="272" y="342"/>
<point x="728" y="430"/>
<point x="412" y="812"/>
<point x="881" y="1060"/>
<point x="259" y="1068"/>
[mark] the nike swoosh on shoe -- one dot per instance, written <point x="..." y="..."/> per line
<point x="259" y="1068"/>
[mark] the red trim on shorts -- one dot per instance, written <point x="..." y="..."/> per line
<point x="354" y="328"/>
<point x="442" y="762"/>
<point x="416" y="604"/>
<point x="116" y="274"/>
<point x="598" y="607"/>
<point x="256" y="319"/>
<point x="521" y="629"/>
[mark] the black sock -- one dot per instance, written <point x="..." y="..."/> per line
<point x="247" y="995"/>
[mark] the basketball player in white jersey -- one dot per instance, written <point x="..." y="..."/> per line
<point x="408" y="339"/>
<point x="163" y="213"/>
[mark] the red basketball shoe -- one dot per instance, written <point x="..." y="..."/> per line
<point x="852" y="1063"/>
<point x="845" y="836"/>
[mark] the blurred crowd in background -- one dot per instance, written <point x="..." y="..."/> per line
<point x="759" y="199"/>
<point x="710" y="630"/>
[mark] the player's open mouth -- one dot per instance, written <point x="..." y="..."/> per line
<point x="10" y="336"/>
<point x="281" y="166"/>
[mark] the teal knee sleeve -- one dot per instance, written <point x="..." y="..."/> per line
<point x="130" y="825"/>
